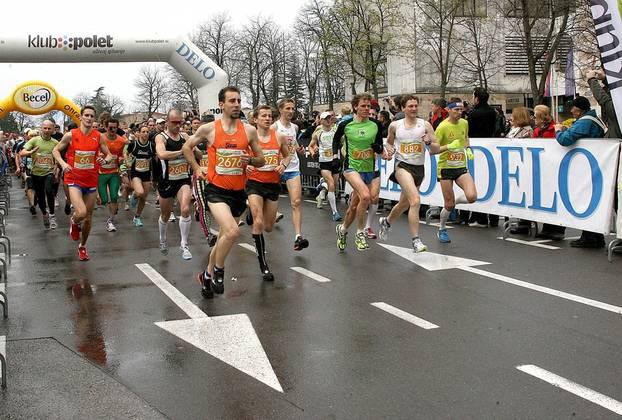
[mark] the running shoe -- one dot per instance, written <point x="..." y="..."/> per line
<point x="206" y="289"/>
<point x="318" y="201"/>
<point x="370" y="233"/>
<point x="477" y="224"/>
<point x="172" y="217"/>
<point x="267" y="275"/>
<point x="418" y="246"/>
<point x="218" y="281"/>
<point x="46" y="221"/>
<point x="361" y="241"/>
<point x="157" y="203"/>
<point x="67" y="208"/>
<point x="127" y="206"/>
<point x="53" y="223"/>
<point x="385" y="227"/>
<point x="249" y="217"/>
<point x="443" y="236"/>
<point x="137" y="222"/>
<point x="163" y="248"/>
<point x="133" y="201"/>
<point x="74" y="230"/>
<point x="110" y="227"/>
<point x="185" y="253"/>
<point x="341" y="238"/>
<point x="33" y="210"/>
<point x="337" y="217"/>
<point x="279" y="217"/>
<point x="82" y="254"/>
<point x="300" y="243"/>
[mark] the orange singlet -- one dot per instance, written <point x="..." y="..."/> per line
<point x="267" y="174"/>
<point x="81" y="156"/>
<point x="225" y="169"/>
<point x="116" y="150"/>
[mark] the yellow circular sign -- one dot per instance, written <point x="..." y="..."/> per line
<point x="34" y="98"/>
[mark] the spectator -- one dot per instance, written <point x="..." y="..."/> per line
<point x="521" y="124"/>
<point x="346" y="113"/>
<point x="500" y="123"/>
<point x="587" y="125"/>
<point x="439" y="113"/>
<point x="603" y="97"/>
<point x="385" y="119"/>
<point x="482" y="123"/>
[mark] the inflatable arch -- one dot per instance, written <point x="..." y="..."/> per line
<point x="66" y="47"/>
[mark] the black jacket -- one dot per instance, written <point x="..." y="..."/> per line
<point x="482" y="121"/>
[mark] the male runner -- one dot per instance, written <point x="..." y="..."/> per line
<point x="263" y="184"/>
<point x="39" y="149"/>
<point x="109" y="177"/>
<point x="138" y="157"/>
<point x="24" y="168"/>
<point x="175" y="180"/>
<point x="322" y="142"/>
<point x="453" y="138"/>
<point x="81" y="173"/>
<point x="291" y="176"/>
<point x="202" y="214"/>
<point x="408" y="137"/>
<point x="229" y="142"/>
<point x="363" y="142"/>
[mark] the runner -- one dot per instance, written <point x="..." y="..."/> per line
<point x="322" y="142"/>
<point x="228" y="140"/>
<point x="453" y="138"/>
<point x="81" y="173"/>
<point x="408" y="137"/>
<point x="138" y="157"/>
<point x="202" y="214"/>
<point x="39" y="149"/>
<point x="24" y="168"/>
<point x="263" y="185"/>
<point x="109" y="176"/>
<point x="291" y="176"/>
<point x="175" y="180"/>
<point x="363" y="142"/>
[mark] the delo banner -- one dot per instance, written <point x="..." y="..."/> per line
<point x="608" y="24"/>
<point x="532" y="179"/>
<point x="65" y="46"/>
<point x="37" y="98"/>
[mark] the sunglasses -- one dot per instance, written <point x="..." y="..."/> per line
<point x="175" y="122"/>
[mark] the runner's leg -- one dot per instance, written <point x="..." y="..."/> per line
<point x="227" y="235"/>
<point x="413" y="201"/>
<point x="294" y="188"/>
<point x="364" y="196"/>
<point x="140" y="192"/>
<point x="184" y="196"/>
<point x="89" y="203"/>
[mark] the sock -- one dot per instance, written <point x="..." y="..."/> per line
<point x="444" y="217"/>
<point x="342" y="228"/>
<point x="162" y="228"/>
<point x="371" y="213"/>
<point x="206" y="274"/>
<point x="219" y="272"/>
<point x="260" y="247"/>
<point x="332" y="201"/>
<point x="297" y="236"/>
<point x="184" y="228"/>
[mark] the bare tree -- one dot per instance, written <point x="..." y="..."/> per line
<point x="256" y="65"/>
<point x="152" y="85"/>
<point x="182" y="93"/>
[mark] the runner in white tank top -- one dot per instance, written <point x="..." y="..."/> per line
<point x="409" y="137"/>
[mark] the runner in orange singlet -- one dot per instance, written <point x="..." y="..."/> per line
<point x="229" y="143"/>
<point x="109" y="177"/>
<point x="81" y="173"/>
<point x="264" y="184"/>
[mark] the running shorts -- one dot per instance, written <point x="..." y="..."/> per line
<point x="417" y="172"/>
<point x="169" y="189"/>
<point x="452" y="174"/>
<point x="236" y="200"/>
<point x="267" y="191"/>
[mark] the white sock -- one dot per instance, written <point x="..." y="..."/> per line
<point x="371" y="213"/>
<point x="162" y="228"/>
<point x="444" y="217"/>
<point x="184" y="228"/>
<point x="332" y="202"/>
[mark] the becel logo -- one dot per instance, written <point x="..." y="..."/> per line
<point x="34" y="97"/>
<point x="69" y="42"/>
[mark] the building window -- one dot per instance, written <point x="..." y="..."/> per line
<point x="516" y="57"/>
<point x="472" y="8"/>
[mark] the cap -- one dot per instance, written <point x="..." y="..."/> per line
<point x="440" y="102"/>
<point x="324" y="115"/>
<point x="160" y="121"/>
<point x="582" y="103"/>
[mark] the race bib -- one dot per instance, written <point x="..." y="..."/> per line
<point x="411" y="149"/>
<point x="142" y="165"/>
<point x="328" y="153"/>
<point x="44" y="161"/>
<point x="291" y="145"/>
<point x="177" y="169"/>
<point x="272" y="160"/>
<point x="456" y="158"/>
<point x="362" y="154"/>
<point x="203" y="161"/>
<point x="84" y="159"/>
<point x="229" y="162"/>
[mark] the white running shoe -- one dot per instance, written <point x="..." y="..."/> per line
<point x="172" y="217"/>
<point x="110" y="227"/>
<point x="163" y="248"/>
<point x="418" y="246"/>
<point x="185" y="253"/>
<point x="53" y="223"/>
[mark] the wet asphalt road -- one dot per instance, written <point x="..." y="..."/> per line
<point x="334" y="354"/>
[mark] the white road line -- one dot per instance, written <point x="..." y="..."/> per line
<point x="542" y="289"/>
<point x="542" y="241"/>
<point x="248" y="247"/>
<point x="175" y="295"/>
<point x="572" y="238"/>
<point x="537" y="244"/>
<point x="311" y="201"/>
<point x="16" y="284"/>
<point x="404" y="315"/>
<point x="310" y="274"/>
<point x="283" y="195"/>
<point x="573" y="387"/>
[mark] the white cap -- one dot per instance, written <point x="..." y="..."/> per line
<point x="160" y="121"/>
<point x="324" y="115"/>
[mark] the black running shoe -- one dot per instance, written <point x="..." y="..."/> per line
<point x="67" y="208"/>
<point x="267" y="275"/>
<point x="300" y="244"/>
<point x="206" y="290"/>
<point x="249" y="218"/>
<point x="218" y="282"/>
<point x="33" y="210"/>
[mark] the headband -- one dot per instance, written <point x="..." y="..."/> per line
<point x="453" y="105"/>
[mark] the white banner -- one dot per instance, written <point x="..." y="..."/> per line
<point x="532" y="179"/>
<point x="608" y="26"/>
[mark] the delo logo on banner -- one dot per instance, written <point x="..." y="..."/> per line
<point x="532" y="179"/>
<point x="36" y="98"/>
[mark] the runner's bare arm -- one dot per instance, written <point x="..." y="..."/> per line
<point x="430" y="139"/>
<point x="313" y="145"/>
<point x="284" y="153"/>
<point x="203" y="135"/>
<point x="391" y="134"/>
<point x="62" y="145"/>
<point x="253" y="141"/>
<point x="103" y="147"/>
<point x="161" y="151"/>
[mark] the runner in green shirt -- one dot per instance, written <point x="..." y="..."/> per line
<point x="363" y="140"/>
<point x="453" y="137"/>
<point x="39" y="149"/>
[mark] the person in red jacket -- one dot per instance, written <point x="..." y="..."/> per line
<point x="545" y="126"/>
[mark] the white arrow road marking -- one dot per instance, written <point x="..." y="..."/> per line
<point x="537" y="244"/>
<point x="310" y="274"/>
<point x="404" y="315"/>
<point x="230" y="338"/>
<point x="432" y="262"/>
<point x="573" y="387"/>
<point x="248" y="247"/>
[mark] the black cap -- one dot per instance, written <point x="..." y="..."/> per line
<point x="582" y="103"/>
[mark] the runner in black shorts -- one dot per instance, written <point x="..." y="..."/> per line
<point x="139" y="157"/>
